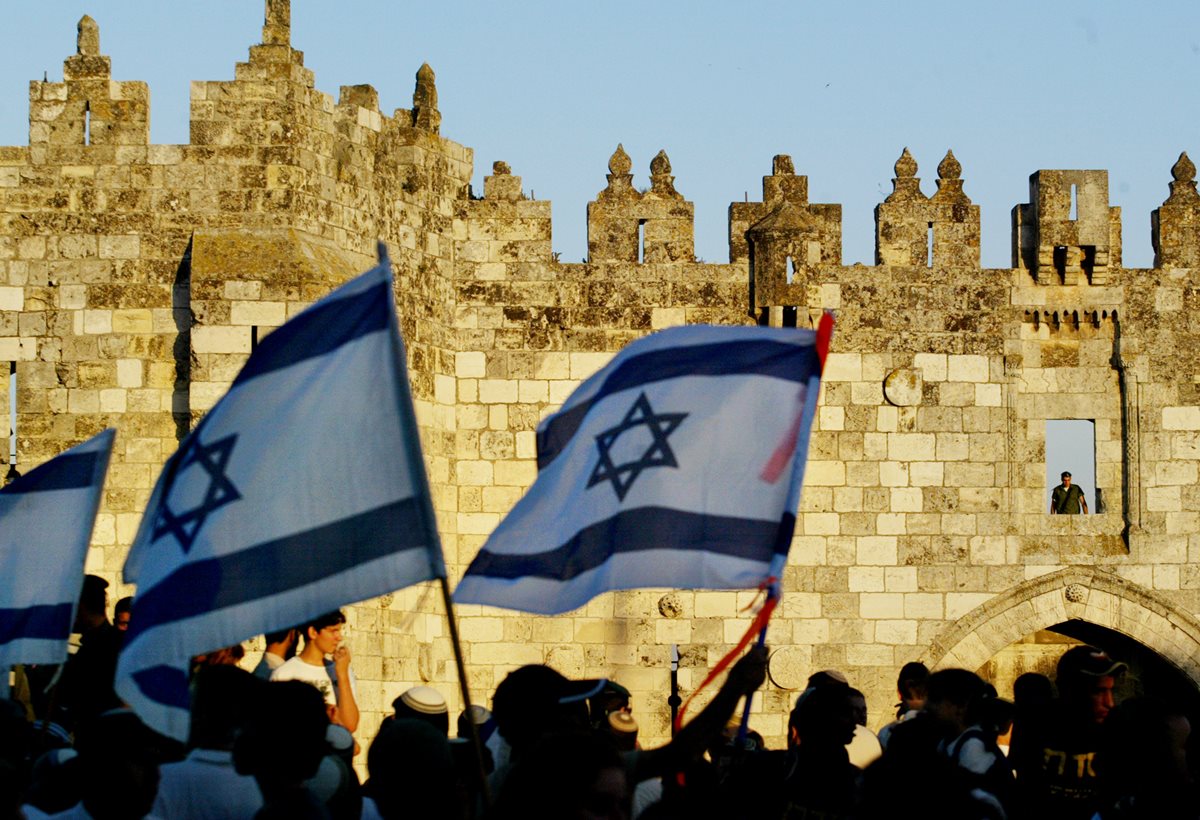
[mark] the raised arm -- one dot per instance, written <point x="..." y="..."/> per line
<point x="744" y="678"/>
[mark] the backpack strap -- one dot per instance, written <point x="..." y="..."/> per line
<point x="955" y="750"/>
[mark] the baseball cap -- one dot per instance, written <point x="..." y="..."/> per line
<point x="547" y="687"/>
<point x="1088" y="661"/>
<point x="535" y="691"/>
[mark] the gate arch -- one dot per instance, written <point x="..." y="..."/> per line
<point x="1075" y="593"/>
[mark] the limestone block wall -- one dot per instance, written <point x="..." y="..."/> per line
<point x="136" y="278"/>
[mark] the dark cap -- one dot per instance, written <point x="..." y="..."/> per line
<point x="538" y="686"/>
<point x="1065" y="474"/>
<point x="1086" y="662"/>
<point x="94" y="583"/>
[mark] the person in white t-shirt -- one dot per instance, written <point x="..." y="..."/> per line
<point x="281" y="647"/>
<point x="205" y="785"/>
<point x="322" y="639"/>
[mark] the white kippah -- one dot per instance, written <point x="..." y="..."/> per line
<point x="424" y="699"/>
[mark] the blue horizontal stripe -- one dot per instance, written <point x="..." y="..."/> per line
<point x="51" y="622"/>
<point x="320" y="330"/>
<point x="165" y="685"/>
<point x="70" y="471"/>
<point x="275" y="567"/>
<point x="641" y="530"/>
<point x="780" y="360"/>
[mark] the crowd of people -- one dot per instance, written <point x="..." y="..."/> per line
<point x="279" y="743"/>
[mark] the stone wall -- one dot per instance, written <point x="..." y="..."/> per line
<point x="136" y="278"/>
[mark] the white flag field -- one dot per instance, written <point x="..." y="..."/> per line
<point x="679" y="464"/>
<point x="46" y="520"/>
<point x="300" y="491"/>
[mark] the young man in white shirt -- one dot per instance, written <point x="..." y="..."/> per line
<point x="281" y="647"/>
<point x="322" y="639"/>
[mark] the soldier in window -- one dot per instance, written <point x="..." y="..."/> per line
<point x="1067" y="498"/>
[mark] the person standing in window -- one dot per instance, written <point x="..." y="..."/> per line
<point x="1067" y="498"/>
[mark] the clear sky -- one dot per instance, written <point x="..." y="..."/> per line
<point x="552" y="87"/>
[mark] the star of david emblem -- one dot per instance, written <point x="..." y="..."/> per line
<point x="212" y="459"/>
<point x="657" y="454"/>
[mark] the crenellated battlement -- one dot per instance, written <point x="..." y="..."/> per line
<point x="323" y="156"/>
<point x="87" y="107"/>
<point x="627" y="225"/>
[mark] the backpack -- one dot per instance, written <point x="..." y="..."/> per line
<point x="998" y="780"/>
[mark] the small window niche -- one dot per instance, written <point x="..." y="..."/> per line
<point x="1071" y="448"/>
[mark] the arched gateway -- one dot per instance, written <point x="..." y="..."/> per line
<point x="1073" y="594"/>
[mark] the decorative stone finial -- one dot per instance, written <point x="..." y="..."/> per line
<point x="620" y="180"/>
<point x="620" y="163"/>
<point x="1184" y="170"/>
<point x="949" y="182"/>
<point x="949" y="167"/>
<point x="905" y="185"/>
<point x="782" y="165"/>
<point x="502" y="185"/>
<point x="425" y="101"/>
<point x="277" y="23"/>
<point x="87" y="42"/>
<point x="662" y="184"/>
<point x="906" y="166"/>
<point x="1183" y="184"/>
<point x="661" y="164"/>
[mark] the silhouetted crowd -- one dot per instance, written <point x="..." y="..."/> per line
<point x="551" y="747"/>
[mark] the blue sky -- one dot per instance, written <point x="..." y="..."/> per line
<point x="552" y="87"/>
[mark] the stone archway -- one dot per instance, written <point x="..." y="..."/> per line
<point x="1075" y="593"/>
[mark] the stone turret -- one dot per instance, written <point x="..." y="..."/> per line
<point x="902" y="221"/>
<point x="1067" y="233"/>
<point x="823" y="246"/>
<point x="88" y="107"/>
<point x="956" y="221"/>
<point x="425" y="101"/>
<point x="1175" y="226"/>
<point x="784" y="238"/>
<point x="277" y="23"/>
<point x="274" y="58"/>
<point x="918" y="231"/>
<point x="625" y="225"/>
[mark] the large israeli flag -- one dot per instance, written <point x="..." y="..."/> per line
<point x="679" y="464"/>
<point x="46" y="520"/>
<point x="301" y="490"/>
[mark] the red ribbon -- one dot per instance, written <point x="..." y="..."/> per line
<point x="757" y="625"/>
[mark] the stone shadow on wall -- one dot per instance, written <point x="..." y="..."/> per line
<point x="181" y="350"/>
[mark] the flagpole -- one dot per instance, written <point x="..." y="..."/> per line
<point x="420" y="479"/>
<point x="824" y="334"/>
<point x="744" y="726"/>
<point x="466" y="693"/>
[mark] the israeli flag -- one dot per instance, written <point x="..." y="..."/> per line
<point x="46" y="520"/>
<point x="302" y="490"/>
<point x="679" y="465"/>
